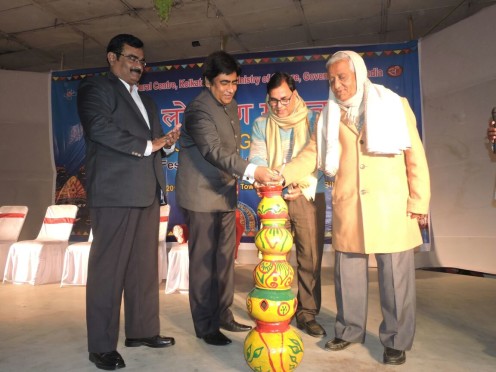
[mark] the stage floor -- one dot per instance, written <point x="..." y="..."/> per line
<point x="42" y="328"/>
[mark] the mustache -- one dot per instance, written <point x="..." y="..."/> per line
<point x="138" y="70"/>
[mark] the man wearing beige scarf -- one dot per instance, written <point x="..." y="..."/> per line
<point x="276" y="138"/>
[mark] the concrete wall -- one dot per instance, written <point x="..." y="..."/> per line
<point x="27" y="171"/>
<point x="458" y="75"/>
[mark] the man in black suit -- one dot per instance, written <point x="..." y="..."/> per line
<point x="124" y="140"/>
<point x="206" y="181"/>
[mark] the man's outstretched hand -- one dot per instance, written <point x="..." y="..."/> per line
<point x="294" y="192"/>
<point x="266" y="175"/>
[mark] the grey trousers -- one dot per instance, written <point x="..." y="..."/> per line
<point x="307" y="221"/>
<point x="397" y="295"/>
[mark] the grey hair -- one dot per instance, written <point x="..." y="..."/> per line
<point x="338" y="56"/>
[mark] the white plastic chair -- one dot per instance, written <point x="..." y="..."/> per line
<point x="178" y="271"/>
<point x="75" y="270"/>
<point x="162" y="247"/>
<point x="11" y="221"/>
<point x="40" y="261"/>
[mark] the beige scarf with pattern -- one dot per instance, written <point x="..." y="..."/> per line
<point x="298" y="121"/>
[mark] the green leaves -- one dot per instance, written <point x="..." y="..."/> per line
<point x="256" y="353"/>
<point x="163" y="8"/>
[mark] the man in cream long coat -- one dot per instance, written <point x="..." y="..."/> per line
<point x="367" y="137"/>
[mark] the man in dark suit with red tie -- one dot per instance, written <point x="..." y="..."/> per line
<point x="124" y="141"/>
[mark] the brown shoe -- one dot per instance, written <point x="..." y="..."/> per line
<point x="311" y="327"/>
<point x="337" y="344"/>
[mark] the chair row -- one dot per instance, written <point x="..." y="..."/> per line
<point x="49" y="258"/>
<point x="75" y="269"/>
<point x="40" y="260"/>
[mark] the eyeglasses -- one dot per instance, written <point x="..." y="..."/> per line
<point x="132" y="58"/>
<point x="283" y="101"/>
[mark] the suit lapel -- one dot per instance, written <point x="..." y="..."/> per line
<point x="149" y="111"/>
<point x="232" y="113"/>
<point x="155" y="126"/>
<point x="126" y="95"/>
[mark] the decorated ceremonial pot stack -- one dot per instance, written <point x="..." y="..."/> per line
<point x="273" y="345"/>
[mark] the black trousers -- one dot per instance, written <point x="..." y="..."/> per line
<point x="211" y="244"/>
<point x="123" y="259"/>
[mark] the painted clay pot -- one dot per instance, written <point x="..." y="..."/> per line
<point x="272" y="205"/>
<point x="273" y="272"/>
<point x="273" y="238"/>
<point x="273" y="347"/>
<point x="271" y="306"/>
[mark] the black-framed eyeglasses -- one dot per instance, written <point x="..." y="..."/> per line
<point x="132" y="58"/>
<point x="283" y="101"/>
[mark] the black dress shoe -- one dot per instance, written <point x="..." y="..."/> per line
<point x="108" y="361"/>
<point x="337" y="344"/>
<point x="311" y="327"/>
<point x="155" y="341"/>
<point x="216" y="338"/>
<point x="393" y="356"/>
<point x="234" y="326"/>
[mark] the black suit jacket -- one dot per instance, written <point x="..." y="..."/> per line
<point x="209" y="160"/>
<point x="116" y="134"/>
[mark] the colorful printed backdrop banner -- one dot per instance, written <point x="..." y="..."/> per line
<point x="174" y="84"/>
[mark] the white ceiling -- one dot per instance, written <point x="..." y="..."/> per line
<point x="44" y="35"/>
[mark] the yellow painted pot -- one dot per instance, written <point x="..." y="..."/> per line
<point x="271" y="306"/>
<point x="273" y="347"/>
<point x="273" y="272"/>
<point x="273" y="238"/>
<point x="272" y="204"/>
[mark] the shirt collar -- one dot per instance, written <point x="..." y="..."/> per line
<point x="128" y="87"/>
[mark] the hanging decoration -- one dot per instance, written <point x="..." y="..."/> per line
<point x="163" y="8"/>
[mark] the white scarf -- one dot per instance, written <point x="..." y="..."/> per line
<point x="385" y="121"/>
